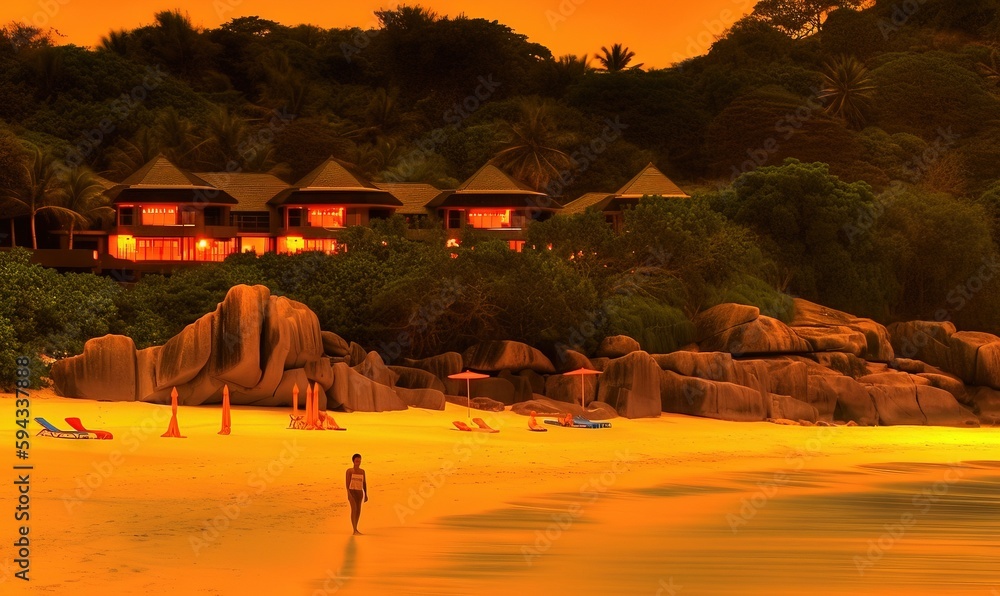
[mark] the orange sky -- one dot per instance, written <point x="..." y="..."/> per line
<point x="660" y="32"/>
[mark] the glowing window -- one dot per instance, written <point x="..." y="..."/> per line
<point x="327" y="217"/>
<point x="159" y="216"/>
<point x="489" y="218"/>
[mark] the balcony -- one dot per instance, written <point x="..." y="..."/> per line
<point x="187" y="231"/>
<point x="312" y="232"/>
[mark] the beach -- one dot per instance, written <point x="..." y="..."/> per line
<point x="672" y="505"/>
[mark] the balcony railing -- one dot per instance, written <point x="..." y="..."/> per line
<point x="187" y="231"/>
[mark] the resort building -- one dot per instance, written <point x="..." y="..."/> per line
<point x="166" y="217"/>
<point x="648" y="182"/>
<point x="493" y="202"/>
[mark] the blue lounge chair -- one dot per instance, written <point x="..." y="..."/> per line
<point x="48" y="430"/>
<point x="580" y="422"/>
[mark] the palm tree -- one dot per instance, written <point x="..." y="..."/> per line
<point x="42" y="188"/>
<point x="128" y="155"/>
<point x="531" y="153"/>
<point x="227" y="133"/>
<point x="83" y="200"/>
<point x="284" y="86"/>
<point x="617" y="58"/>
<point x="176" y="136"/>
<point x="848" y="88"/>
<point x="118" y="42"/>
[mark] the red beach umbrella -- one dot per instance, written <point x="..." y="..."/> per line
<point x="295" y="401"/>
<point x="581" y="372"/>
<point x="468" y="376"/>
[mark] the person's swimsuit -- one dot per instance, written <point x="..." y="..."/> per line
<point x="357" y="486"/>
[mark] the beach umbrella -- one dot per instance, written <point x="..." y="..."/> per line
<point x="581" y="372"/>
<point x="295" y="401"/>
<point x="227" y="423"/>
<point x="173" y="430"/>
<point x="468" y="376"/>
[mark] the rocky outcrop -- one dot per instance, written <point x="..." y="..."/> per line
<point x="568" y="388"/>
<point x="237" y="328"/>
<point x="843" y="332"/>
<point x="631" y="384"/>
<point x="789" y="408"/>
<point x="571" y="360"/>
<point x="185" y="354"/>
<point x="714" y="366"/>
<point x="495" y="356"/>
<point x="416" y="378"/>
<point x="427" y="399"/>
<point x="616" y="346"/>
<point x="334" y="345"/>
<point x="732" y="328"/>
<point x="711" y="399"/>
<point x="104" y="371"/>
<point x="376" y="370"/>
<point x="544" y="406"/>
<point x="354" y="392"/>
<point x="442" y="365"/>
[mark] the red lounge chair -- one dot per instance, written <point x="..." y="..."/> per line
<point x="534" y="426"/>
<point x="100" y="434"/>
<point x="49" y="430"/>
<point x="328" y="423"/>
<point x="462" y="426"/>
<point x="483" y="426"/>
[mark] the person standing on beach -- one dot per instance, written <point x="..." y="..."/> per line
<point x="357" y="490"/>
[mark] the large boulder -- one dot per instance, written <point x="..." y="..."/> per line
<point x="986" y="402"/>
<point x="145" y="371"/>
<point x="843" y="330"/>
<point x="201" y="390"/>
<point x="788" y="408"/>
<point x="415" y="378"/>
<point x="853" y="400"/>
<point x="237" y="328"/>
<point x="714" y="366"/>
<point x="104" y="371"/>
<point x="442" y="365"/>
<point x="762" y="335"/>
<point x="631" y="384"/>
<point x="495" y="356"/>
<point x="495" y="388"/>
<point x="185" y="354"/>
<point x="895" y="397"/>
<point x="711" y="399"/>
<point x="354" y="392"/>
<point x="941" y="409"/>
<point x="357" y="354"/>
<point x="965" y="348"/>
<point x="567" y="360"/>
<point x="544" y="406"/>
<point x="988" y="365"/>
<point x="334" y="345"/>
<point x="427" y="399"/>
<point x="722" y="318"/>
<point x="284" y="392"/>
<point x="485" y="404"/>
<point x="567" y="388"/>
<point x="376" y="370"/>
<point x="923" y="340"/>
<point x="320" y="371"/>
<point x="843" y="363"/>
<point x="305" y="344"/>
<point x="523" y="389"/>
<point x="616" y="346"/>
<point x="949" y="383"/>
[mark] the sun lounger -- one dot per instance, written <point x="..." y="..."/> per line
<point x="329" y="423"/>
<point x="482" y="425"/>
<point x="580" y="422"/>
<point x="462" y="426"/>
<point x="538" y="428"/>
<point x="296" y="422"/>
<point x="100" y="434"/>
<point x="48" y="430"/>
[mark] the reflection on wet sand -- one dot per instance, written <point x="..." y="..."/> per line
<point x="896" y="527"/>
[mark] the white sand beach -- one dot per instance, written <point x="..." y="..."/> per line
<point x="675" y="505"/>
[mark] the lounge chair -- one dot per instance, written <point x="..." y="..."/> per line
<point x="462" y="426"/>
<point x="482" y="425"/>
<point x="48" y="430"/>
<point x="100" y="434"/>
<point x="580" y="422"/>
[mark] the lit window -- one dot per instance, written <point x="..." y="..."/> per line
<point x="489" y="218"/>
<point x="328" y="217"/>
<point x="159" y="216"/>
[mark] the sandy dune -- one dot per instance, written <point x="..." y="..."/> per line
<point x="674" y="505"/>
